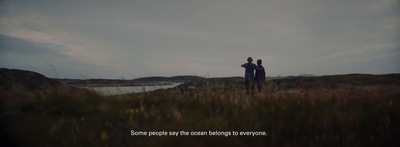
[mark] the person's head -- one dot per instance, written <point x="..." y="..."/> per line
<point x="249" y="59"/>
<point x="259" y="62"/>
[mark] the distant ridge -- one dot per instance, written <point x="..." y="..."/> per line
<point x="167" y="79"/>
<point x="236" y="78"/>
<point x="156" y="80"/>
<point x="10" y="78"/>
<point x="333" y="81"/>
<point x="291" y="77"/>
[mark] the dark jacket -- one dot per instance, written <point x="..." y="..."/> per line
<point x="249" y="72"/>
<point x="260" y="73"/>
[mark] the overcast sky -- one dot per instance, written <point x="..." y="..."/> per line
<point x="138" y="38"/>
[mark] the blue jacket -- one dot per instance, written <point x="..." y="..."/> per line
<point x="249" y="72"/>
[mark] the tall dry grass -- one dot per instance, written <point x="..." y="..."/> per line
<point x="292" y="115"/>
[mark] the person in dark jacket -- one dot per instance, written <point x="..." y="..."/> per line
<point x="249" y="74"/>
<point x="260" y="75"/>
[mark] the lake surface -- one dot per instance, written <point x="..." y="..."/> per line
<point x="107" y="91"/>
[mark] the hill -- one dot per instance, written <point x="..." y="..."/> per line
<point x="14" y="78"/>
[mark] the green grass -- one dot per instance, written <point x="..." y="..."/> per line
<point x="292" y="115"/>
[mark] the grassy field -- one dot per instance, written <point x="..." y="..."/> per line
<point x="348" y="110"/>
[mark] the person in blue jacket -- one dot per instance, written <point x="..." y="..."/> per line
<point x="249" y="74"/>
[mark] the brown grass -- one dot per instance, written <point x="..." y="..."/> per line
<point x="292" y="114"/>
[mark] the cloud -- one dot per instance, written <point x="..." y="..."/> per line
<point x="42" y="57"/>
<point x="16" y="45"/>
<point x="173" y="37"/>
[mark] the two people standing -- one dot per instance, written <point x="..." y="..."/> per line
<point x="259" y="76"/>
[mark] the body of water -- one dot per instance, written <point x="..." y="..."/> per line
<point x="107" y="91"/>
